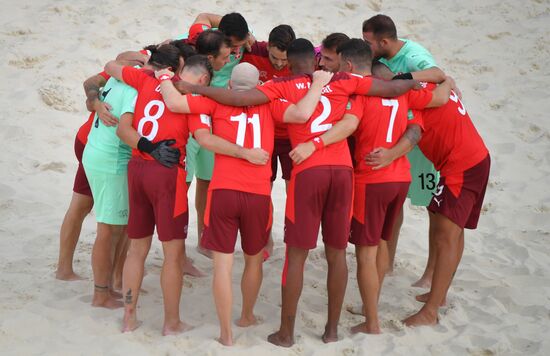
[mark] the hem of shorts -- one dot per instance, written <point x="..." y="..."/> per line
<point x="447" y="216"/>
<point x="89" y="194"/>
<point x="102" y="221"/>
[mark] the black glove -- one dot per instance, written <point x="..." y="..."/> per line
<point x="160" y="151"/>
<point x="403" y="76"/>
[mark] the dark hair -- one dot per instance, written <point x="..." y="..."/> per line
<point x="186" y="50"/>
<point x="164" y="56"/>
<point x="381" y="26"/>
<point x="357" y="52"/>
<point x="300" y="48"/>
<point x="199" y="64"/>
<point x="210" y="42"/>
<point x="234" y="25"/>
<point x="281" y="36"/>
<point x="333" y="40"/>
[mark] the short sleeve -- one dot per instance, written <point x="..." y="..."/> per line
<point x="418" y="99"/>
<point x="199" y="121"/>
<point x="356" y="106"/>
<point x="129" y="100"/>
<point x="272" y="90"/>
<point x="363" y="84"/>
<point x="199" y="104"/>
<point x="278" y="108"/>
<point x="133" y="77"/>
<point x="415" y="117"/>
<point x="419" y="60"/>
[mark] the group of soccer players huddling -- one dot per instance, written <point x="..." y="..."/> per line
<point x="356" y="124"/>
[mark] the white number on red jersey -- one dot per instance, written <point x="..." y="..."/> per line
<point x="394" y="107"/>
<point x="152" y="119"/>
<point x="455" y="98"/>
<point x="317" y="124"/>
<point x="241" y="129"/>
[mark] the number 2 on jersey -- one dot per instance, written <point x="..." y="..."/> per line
<point x="241" y="129"/>
<point x="394" y="107"/>
<point x="317" y="124"/>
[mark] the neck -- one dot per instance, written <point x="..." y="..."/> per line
<point x="395" y="47"/>
<point x="296" y="70"/>
<point x="363" y="72"/>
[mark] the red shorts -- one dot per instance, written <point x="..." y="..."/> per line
<point x="81" y="185"/>
<point x="229" y="211"/>
<point x="375" y="207"/>
<point x="281" y="149"/>
<point x="459" y="197"/>
<point x="157" y="196"/>
<point x="319" y="195"/>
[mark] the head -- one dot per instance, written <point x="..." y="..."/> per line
<point x="235" y="28"/>
<point x="301" y="56"/>
<point x="355" y="56"/>
<point x="277" y="44"/>
<point x="164" y="56"/>
<point x="214" y="45"/>
<point x="244" y="76"/>
<point x="197" y="70"/>
<point x="380" y="33"/>
<point x="380" y="70"/>
<point x="186" y="51"/>
<point x="329" y="57"/>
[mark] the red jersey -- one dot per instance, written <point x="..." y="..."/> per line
<point x="259" y="57"/>
<point x="382" y="123"/>
<point x="450" y="139"/>
<point x="152" y="119"/>
<point x="249" y="127"/>
<point x="331" y="109"/>
<point x="84" y="130"/>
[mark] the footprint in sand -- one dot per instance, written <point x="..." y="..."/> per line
<point x="57" y="97"/>
<point x="27" y="62"/>
<point x="54" y="166"/>
<point x="533" y="133"/>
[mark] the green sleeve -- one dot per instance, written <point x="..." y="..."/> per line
<point x="420" y="60"/>
<point x="129" y="101"/>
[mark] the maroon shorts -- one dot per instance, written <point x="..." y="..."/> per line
<point x="81" y="185"/>
<point x="375" y="207"/>
<point x="157" y="197"/>
<point x="281" y="149"/>
<point x="459" y="197"/>
<point x="319" y="196"/>
<point x="229" y="211"/>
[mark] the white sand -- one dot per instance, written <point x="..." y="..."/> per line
<point x="500" y="301"/>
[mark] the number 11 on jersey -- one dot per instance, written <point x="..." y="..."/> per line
<point x="241" y="129"/>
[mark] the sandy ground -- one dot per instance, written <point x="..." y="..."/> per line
<point x="500" y="301"/>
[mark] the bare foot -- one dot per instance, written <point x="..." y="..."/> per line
<point x="179" y="328"/>
<point x="190" y="270"/>
<point x="280" y="340"/>
<point x="329" y="335"/>
<point x="67" y="276"/>
<point x="114" y="294"/>
<point x="366" y="328"/>
<point x="355" y="309"/>
<point x="245" y="322"/>
<point x="130" y="322"/>
<point x="227" y="341"/>
<point x="423" y="282"/>
<point x="423" y="298"/>
<point x="104" y="300"/>
<point x="423" y="317"/>
<point x="204" y="252"/>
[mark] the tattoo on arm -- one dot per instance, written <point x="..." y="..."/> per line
<point x="413" y="134"/>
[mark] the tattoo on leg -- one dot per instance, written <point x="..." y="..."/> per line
<point x="128" y="299"/>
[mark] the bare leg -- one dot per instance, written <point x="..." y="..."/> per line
<point x="291" y="295"/>
<point x="80" y="206"/>
<point x="337" y="281"/>
<point x="102" y="266"/>
<point x="447" y="236"/>
<point x="368" y="279"/>
<point x="250" y="287"/>
<point x="200" y="204"/>
<point x="426" y="280"/>
<point x="392" y="244"/>
<point x="132" y="276"/>
<point x="120" y="252"/>
<point x="171" y="281"/>
<point x="223" y="294"/>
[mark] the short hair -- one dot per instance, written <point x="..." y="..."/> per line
<point x="186" y="50"/>
<point x="381" y="26"/>
<point x="300" y="48"/>
<point x="234" y="25"/>
<point x="281" y="36"/>
<point x="164" y="56"/>
<point x="199" y="64"/>
<point x="210" y="42"/>
<point x="333" y="40"/>
<point x="357" y="52"/>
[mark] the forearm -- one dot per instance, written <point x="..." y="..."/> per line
<point x="174" y="100"/>
<point x="341" y="130"/>
<point x="390" y="89"/>
<point x="430" y="75"/>
<point x="114" y="69"/>
<point x="92" y="87"/>
<point x="127" y="133"/>
<point x="217" y="144"/>
<point x="226" y="96"/>
<point x="406" y="143"/>
<point x="302" y="111"/>
<point x="441" y="94"/>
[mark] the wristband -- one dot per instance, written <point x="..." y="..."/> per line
<point x="403" y="76"/>
<point x="164" y="77"/>
<point x="318" y="143"/>
<point x="144" y="145"/>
